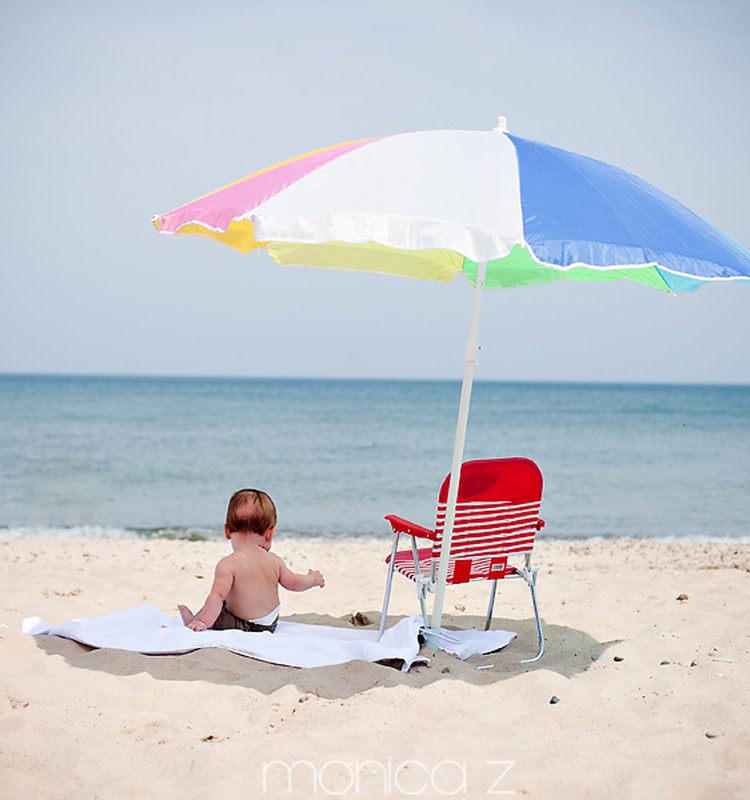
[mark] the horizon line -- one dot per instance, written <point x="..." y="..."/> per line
<point x="362" y="378"/>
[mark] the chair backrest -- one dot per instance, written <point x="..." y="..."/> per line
<point x="497" y="516"/>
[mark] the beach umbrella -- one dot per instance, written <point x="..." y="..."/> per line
<point x="503" y="210"/>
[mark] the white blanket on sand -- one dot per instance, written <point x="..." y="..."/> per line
<point x="146" y="630"/>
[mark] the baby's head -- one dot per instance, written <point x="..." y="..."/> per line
<point x="250" y="511"/>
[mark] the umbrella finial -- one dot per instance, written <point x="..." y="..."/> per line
<point x="501" y="124"/>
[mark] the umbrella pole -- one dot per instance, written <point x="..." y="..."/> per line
<point x="470" y="363"/>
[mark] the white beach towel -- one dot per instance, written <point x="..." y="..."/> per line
<point x="146" y="630"/>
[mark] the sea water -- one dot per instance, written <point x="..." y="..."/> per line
<point x="124" y="456"/>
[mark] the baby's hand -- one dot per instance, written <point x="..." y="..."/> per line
<point x="318" y="579"/>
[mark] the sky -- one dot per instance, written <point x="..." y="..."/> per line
<point x="114" y="112"/>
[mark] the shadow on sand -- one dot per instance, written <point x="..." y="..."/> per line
<point x="568" y="652"/>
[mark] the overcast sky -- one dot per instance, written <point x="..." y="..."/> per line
<point x="112" y="112"/>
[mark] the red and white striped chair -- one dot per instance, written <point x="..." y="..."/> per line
<point x="497" y="519"/>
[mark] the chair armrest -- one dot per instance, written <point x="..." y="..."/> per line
<point x="401" y="525"/>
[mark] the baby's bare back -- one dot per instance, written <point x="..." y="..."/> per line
<point x="255" y="585"/>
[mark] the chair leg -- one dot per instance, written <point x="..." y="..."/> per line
<point x="530" y="578"/>
<point x="421" y="592"/>
<point x="491" y="606"/>
<point x="420" y="582"/>
<point x="388" y="582"/>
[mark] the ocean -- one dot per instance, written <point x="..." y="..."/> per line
<point x="159" y="457"/>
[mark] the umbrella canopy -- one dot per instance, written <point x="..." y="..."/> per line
<point x="432" y="204"/>
<point x="503" y="210"/>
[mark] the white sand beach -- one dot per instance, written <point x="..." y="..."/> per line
<point x="651" y="691"/>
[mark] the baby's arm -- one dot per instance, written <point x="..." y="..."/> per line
<point x="223" y="580"/>
<point x="295" y="582"/>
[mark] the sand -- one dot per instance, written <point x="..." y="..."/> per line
<point x="647" y="646"/>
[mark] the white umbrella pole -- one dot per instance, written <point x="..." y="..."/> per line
<point x="472" y="352"/>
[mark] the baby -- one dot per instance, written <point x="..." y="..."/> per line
<point x="245" y="591"/>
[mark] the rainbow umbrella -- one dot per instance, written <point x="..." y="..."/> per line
<point x="503" y="210"/>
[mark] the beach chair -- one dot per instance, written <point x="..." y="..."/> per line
<point x="497" y="519"/>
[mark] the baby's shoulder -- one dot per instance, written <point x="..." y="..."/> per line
<point x="227" y="565"/>
<point x="231" y="559"/>
<point x="274" y="560"/>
